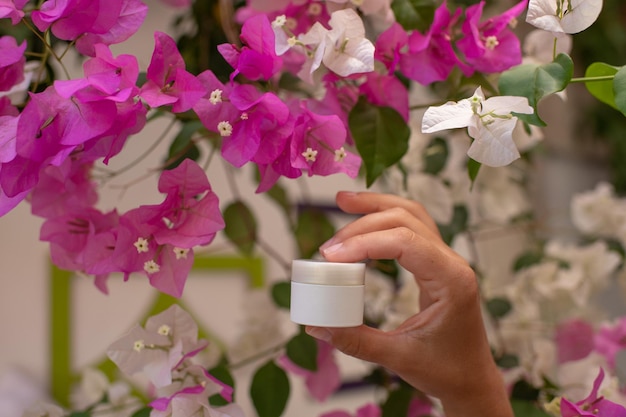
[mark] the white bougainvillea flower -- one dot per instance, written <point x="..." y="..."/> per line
<point x="490" y="122"/>
<point x="565" y="16"/>
<point x="343" y="49"/>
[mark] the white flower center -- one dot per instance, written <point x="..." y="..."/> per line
<point x="151" y="267"/>
<point x="138" y="346"/>
<point x="181" y="253"/>
<point x="279" y="21"/>
<point x="216" y="96"/>
<point x="164" y="330"/>
<point x="225" y="128"/>
<point x="315" y="9"/>
<point x="340" y="154"/>
<point x="141" y="244"/>
<point x="310" y="154"/>
<point x="491" y="42"/>
<point x="244" y="116"/>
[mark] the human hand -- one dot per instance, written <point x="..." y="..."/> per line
<point x="443" y="350"/>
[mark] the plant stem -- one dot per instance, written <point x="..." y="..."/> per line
<point x="270" y="351"/>
<point x="592" y="79"/>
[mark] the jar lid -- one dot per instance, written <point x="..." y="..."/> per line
<point x="309" y="271"/>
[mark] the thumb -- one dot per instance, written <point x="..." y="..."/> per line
<point x="362" y="342"/>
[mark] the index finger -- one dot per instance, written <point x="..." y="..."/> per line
<point x="366" y="202"/>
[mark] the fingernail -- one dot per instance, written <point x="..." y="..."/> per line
<point x="319" y="333"/>
<point x="332" y="249"/>
<point x="328" y="243"/>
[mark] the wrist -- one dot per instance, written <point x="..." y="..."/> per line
<point x="482" y="397"/>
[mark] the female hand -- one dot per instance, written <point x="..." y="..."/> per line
<point x="443" y="350"/>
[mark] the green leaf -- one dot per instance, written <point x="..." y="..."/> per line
<point x="522" y="390"/>
<point x="498" y="307"/>
<point x="527" y="409"/>
<point x="435" y="156"/>
<point x="222" y="373"/>
<point x="240" y="227"/>
<point x="457" y="225"/>
<point x="527" y="259"/>
<point x="281" y="294"/>
<point x="414" y="14"/>
<point x="535" y="82"/>
<point x="80" y="414"/>
<point x="312" y="229"/>
<point x="302" y="351"/>
<point x="619" y="87"/>
<point x="144" y="412"/>
<point x="602" y="90"/>
<point x="381" y="136"/>
<point x="269" y="390"/>
<point x="507" y="361"/>
<point x="182" y="146"/>
<point x="473" y="167"/>
<point x="397" y="403"/>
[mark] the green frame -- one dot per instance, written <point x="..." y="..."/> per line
<point x="61" y="375"/>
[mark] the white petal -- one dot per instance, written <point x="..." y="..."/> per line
<point x="583" y="14"/>
<point x="281" y="45"/>
<point x="506" y="104"/>
<point x="447" y="116"/>
<point x="542" y="14"/>
<point x="347" y="24"/>
<point x="357" y="56"/>
<point x="493" y="144"/>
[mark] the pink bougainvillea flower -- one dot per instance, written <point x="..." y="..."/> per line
<point x="340" y="98"/>
<point x="69" y="19"/>
<point x="325" y="380"/>
<point x="491" y="46"/>
<point x="168" y="83"/>
<point x="386" y="90"/>
<point x="49" y="129"/>
<point x="257" y="59"/>
<point x="158" y="239"/>
<point x="12" y="62"/>
<point x="131" y="17"/>
<point x="260" y="132"/>
<point x="169" y="270"/>
<point x="574" y="340"/>
<point x="368" y="410"/>
<point x="69" y="233"/>
<point x="389" y="46"/>
<point x="194" y="386"/>
<point x="430" y="57"/>
<point x="610" y="339"/>
<point x="130" y="119"/>
<point x="419" y="407"/>
<point x="318" y="144"/>
<point x="106" y="77"/>
<point x="594" y="405"/>
<point x="12" y="9"/>
<point x="91" y="21"/>
<point x="191" y="208"/>
<point x="63" y="188"/>
<point x="215" y="107"/>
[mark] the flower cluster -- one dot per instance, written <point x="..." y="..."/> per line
<point x="163" y="350"/>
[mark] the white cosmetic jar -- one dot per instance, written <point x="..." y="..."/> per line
<point x="327" y="294"/>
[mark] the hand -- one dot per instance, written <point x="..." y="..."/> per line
<point x="443" y="350"/>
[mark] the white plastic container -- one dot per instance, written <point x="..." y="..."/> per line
<point x="327" y="294"/>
